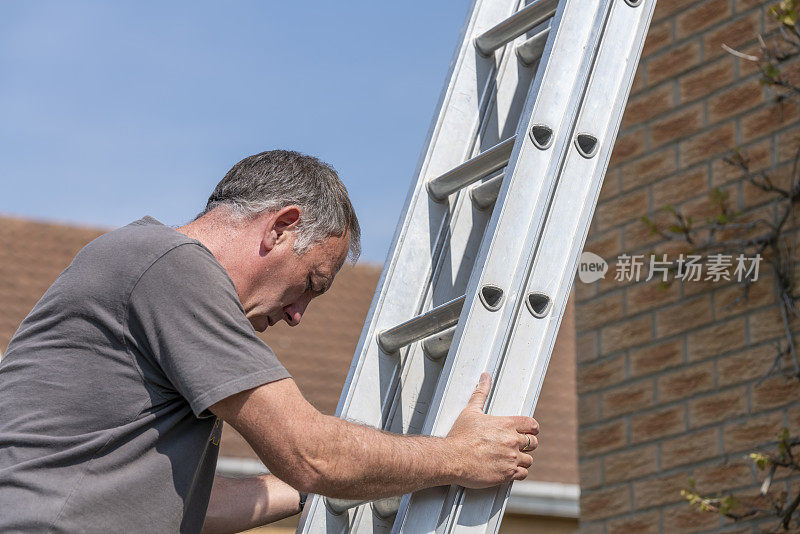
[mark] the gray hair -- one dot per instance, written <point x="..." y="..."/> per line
<point x="270" y="181"/>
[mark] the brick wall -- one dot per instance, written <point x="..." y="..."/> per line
<point x="670" y="380"/>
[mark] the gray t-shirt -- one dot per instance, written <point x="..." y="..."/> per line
<point x="105" y="388"/>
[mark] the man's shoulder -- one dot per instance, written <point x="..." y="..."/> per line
<point x="142" y="241"/>
<point x="128" y="252"/>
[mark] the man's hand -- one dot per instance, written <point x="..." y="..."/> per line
<point x="489" y="447"/>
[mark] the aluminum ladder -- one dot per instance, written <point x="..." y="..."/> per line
<point x="485" y="252"/>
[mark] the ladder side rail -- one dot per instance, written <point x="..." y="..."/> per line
<point x="532" y="179"/>
<point x="554" y="266"/>
<point x="448" y="144"/>
<point x="466" y="230"/>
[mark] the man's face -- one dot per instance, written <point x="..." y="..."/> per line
<point x="286" y="281"/>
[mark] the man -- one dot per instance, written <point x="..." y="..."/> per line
<point x="113" y="389"/>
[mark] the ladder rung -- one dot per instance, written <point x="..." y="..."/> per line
<point x="436" y="347"/>
<point x="429" y="323"/>
<point x="485" y="195"/>
<point x="531" y="50"/>
<point x="339" y="506"/>
<point x="471" y="171"/>
<point x="515" y="25"/>
<point x="384" y="508"/>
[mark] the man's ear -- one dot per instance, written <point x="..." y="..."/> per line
<point x="278" y="224"/>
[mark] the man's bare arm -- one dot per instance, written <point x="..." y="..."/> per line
<point x="326" y="455"/>
<point x="239" y="504"/>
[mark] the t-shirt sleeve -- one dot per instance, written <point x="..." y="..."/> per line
<point x="184" y="312"/>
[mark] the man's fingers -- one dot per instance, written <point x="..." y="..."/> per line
<point x="478" y="398"/>
<point x="525" y="460"/>
<point x="521" y="473"/>
<point x="526" y="425"/>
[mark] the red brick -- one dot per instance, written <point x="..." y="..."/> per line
<point x="735" y="101"/>
<point x="718" y="407"/>
<point x="685" y="519"/>
<point x="774" y="391"/>
<point x="680" y="187"/>
<point x="723" y="477"/>
<point x="588" y="408"/>
<point x="746" y="434"/>
<point x="626" y="334"/>
<point x="656" y="358"/>
<point x="746" y="365"/>
<point x="673" y="62"/>
<point x="766" y="120"/>
<point x="630" y="464"/>
<point x="646" y="523"/>
<point x="716" y="339"/>
<point x="706" y="79"/>
<point x="610" y="187"/>
<point x="638" y="79"/>
<point x="703" y="207"/>
<point x="644" y="170"/>
<point x="599" y="311"/>
<point x="794" y="420"/>
<point x="605" y="503"/>
<point x="754" y="196"/>
<point x="594" y="376"/>
<point x="583" y="292"/>
<point x="621" y="209"/>
<point x="678" y="124"/>
<point x="600" y="439"/>
<point x="639" y="238"/>
<point x="767" y="324"/>
<point x="689" y="448"/>
<point x="707" y="145"/>
<point x="643" y="296"/>
<point x="658" y="491"/>
<point x="627" y="146"/>
<point x="586" y="346"/>
<point x="627" y="399"/>
<point x="685" y="382"/>
<point x="759" y="157"/>
<point x="787" y="145"/>
<point x="670" y="7"/>
<point x="745" y="5"/>
<point x="685" y="315"/>
<point x="658" y="36"/>
<point x="734" y="34"/>
<point x="607" y="245"/>
<point x="590" y="473"/>
<point x="704" y="15"/>
<point x="654" y="425"/>
<point x="746" y="67"/>
<point x="648" y="105"/>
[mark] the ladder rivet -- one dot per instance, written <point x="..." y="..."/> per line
<point x="587" y="145"/>
<point x="634" y="3"/>
<point x="492" y="297"/>
<point x="542" y="136"/>
<point x="538" y="304"/>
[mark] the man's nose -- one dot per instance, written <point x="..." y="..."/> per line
<point x="294" y="312"/>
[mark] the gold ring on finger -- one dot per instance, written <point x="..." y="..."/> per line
<point x="527" y="447"/>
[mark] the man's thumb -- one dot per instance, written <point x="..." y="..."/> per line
<point x="478" y="398"/>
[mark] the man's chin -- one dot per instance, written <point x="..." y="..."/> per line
<point x="259" y="324"/>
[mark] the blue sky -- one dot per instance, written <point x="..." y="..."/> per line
<point x="113" y="110"/>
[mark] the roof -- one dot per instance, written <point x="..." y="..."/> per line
<point x="317" y="353"/>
